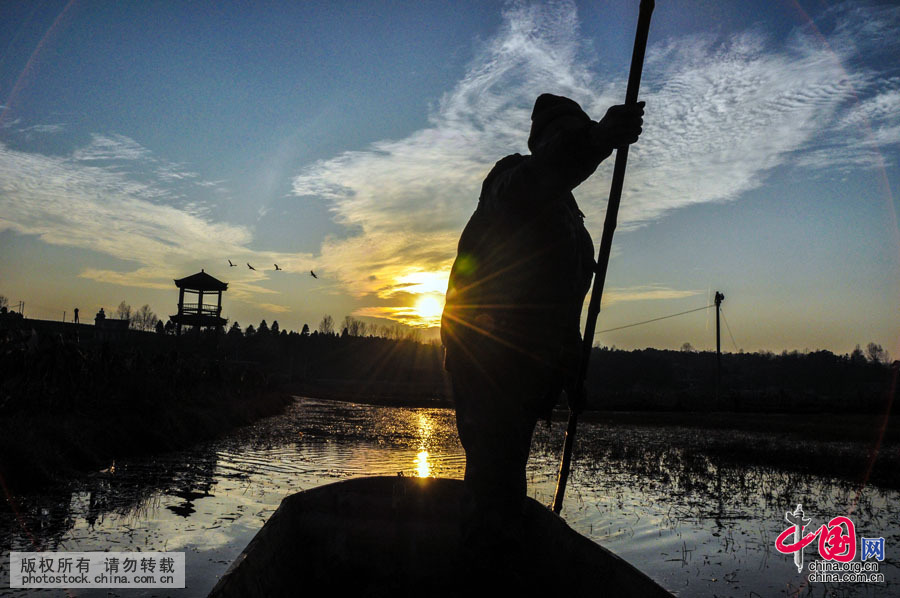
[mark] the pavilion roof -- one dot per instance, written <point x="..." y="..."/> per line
<point x="201" y="281"/>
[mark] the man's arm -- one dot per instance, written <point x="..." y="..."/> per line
<point x="566" y="160"/>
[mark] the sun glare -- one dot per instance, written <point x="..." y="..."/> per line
<point x="420" y="294"/>
<point x="429" y="308"/>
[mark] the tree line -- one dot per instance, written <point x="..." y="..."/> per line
<point x="363" y="359"/>
<point x="349" y="326"/>
<point x="141" y="319"/>
<point x="646" y="379"/>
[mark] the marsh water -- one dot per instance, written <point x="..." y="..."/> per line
<point x="695" y="522"/>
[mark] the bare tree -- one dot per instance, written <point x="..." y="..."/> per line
<point x="326" y="326"/>
<point x="354" y="327"/>
<point x="394" y="332"/>
<point x="347" y="323"/>
<point x="144" y="318"/>
<point x="123" y="312"/>
<point x="4" y="302"/>
<point x="876" y="353"/>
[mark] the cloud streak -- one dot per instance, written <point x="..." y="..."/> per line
<point x="722" y="114"/>
<point x="71" y="202"/>
<point x="646" y="293"/>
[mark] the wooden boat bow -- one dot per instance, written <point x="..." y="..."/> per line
<point x="398" y="536"/>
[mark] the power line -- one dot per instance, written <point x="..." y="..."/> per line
<point x="653" y="320"/>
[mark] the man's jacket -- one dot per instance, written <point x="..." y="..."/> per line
<point x="524" y="265"/>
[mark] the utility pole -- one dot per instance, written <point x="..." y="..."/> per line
<point x="719" y="298"/>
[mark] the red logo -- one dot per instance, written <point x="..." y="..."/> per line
<point x="837" y="540"/>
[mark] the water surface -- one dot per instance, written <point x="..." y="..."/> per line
<point x="698" y="525"/>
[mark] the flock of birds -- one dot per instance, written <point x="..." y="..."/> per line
<point x="277" y="268"/>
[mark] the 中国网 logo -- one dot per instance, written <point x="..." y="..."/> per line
<point x="837" y="547"/>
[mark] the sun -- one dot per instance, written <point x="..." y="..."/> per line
<point x="429" y="309"/>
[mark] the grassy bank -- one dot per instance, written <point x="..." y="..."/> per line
<point x="66" y="409"/>
<point x="817" y="427"/>
<point x="37" y="450"/>
<point x="857" y="448"/>
<point x="375" y="392"/>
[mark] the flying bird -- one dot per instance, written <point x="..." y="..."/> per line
<point x="230" y="264"/>
<point x="313" y="274"/>
<point x="277" y="268"/>
<point x="251" y="267"/>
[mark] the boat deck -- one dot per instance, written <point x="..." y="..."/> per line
<point x="399" y="536"/>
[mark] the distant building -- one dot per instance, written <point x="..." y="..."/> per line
<point x="199" y="314"/>
<point x="109" y="329"/>
<point x="9" y="318"/>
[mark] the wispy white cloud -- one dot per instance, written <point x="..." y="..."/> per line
<point x="119" y="150"/>
<point x="722" y="113"/>
<point x="174" y="173"/>
<point x="111" y="147"/>
<point x="71" y="202"/>
<point x="46" y="129"/>
<point x="148" y="278"/>
<point x="410" y="197"/>
<point x="274" y="308"/>
<point x="646" y="293"/>
<point x="210" y="183"/>
<point x="8" y="124"/>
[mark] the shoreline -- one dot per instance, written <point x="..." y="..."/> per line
<point x="36" y="451"/>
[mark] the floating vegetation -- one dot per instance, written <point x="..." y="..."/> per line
<point x="697" y="521"/>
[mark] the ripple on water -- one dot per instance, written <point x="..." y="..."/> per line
<point x="698" y="525"/>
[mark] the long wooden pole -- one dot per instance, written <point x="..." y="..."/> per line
<point x="719" y="298"/>
<point x="609" y="226"/>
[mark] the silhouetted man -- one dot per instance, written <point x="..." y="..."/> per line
<point x="511" y="325"/>
<point x="76" y="315"/>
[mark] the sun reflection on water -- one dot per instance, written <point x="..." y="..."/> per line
<point x="426" y="427"/>
<point x="423" y="467"/>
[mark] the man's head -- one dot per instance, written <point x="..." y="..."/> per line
<point x="550" y="113"/>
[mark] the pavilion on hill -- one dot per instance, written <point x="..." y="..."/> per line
<point x="199" y="314"/>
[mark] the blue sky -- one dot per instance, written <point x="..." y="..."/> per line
<point x="141" y="142"/>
